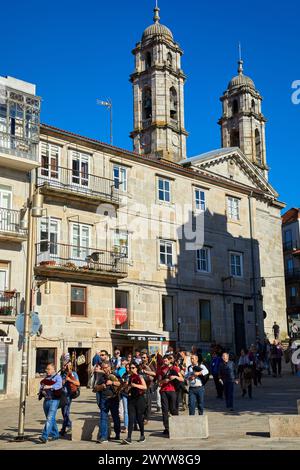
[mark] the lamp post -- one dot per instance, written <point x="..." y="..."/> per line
<point x="178" y="330"/>
<point x="34" y="208"/>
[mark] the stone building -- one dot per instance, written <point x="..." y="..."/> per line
<point x="291" y="251"/>
<point x="150" y="248"/>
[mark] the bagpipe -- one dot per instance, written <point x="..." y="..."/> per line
<point x="48" y="382"/>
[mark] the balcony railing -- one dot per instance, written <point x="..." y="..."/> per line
<point x="10" y="223"/>
<point x="290" y="245"/>
<point x="82" y="260"/>
<point x="9" y="302"/>
<point x="77" y="182"/>
<point x="293" y="274"/>
<point x="19" y="146"/>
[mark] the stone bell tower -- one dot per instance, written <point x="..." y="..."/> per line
<point x="158" y="94"/>
<point x="242" y="122"/>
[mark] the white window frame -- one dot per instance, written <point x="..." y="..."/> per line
<point x="120" y="179"/>
<point x="6" y="277"/>
<point x="50" y="151"/>
<point x="5" y="191"/>
<point x="81" y="157"/>
<point x="233" y="208"/>
<point x="50" y="221"/>
<point x="166" y="243"/>
<point x="207" y="259"/>
<point x="164" y="191"/>
<point x="200" y="199"/>
<point x="233" y="273"/>
<point x="81" y="227"/>
<point x="118" y="235"/>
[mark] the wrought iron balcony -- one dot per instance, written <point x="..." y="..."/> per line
<point x="77" y="184"/>
<point x="10" y="226"/>
<point x="18" y="153"/>
<point x="58" y="260"/>
<point x="9" y="306"/>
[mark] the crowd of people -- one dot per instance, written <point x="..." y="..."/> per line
<point x="128" y="387"/>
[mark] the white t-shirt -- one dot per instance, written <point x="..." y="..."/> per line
<point x="196" y="382"/>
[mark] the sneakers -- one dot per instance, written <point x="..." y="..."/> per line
<point x="127" y="441"/>
<point x="102" y="440"/>
<point x="142" y="439"/>
<point x="42" y="440"/>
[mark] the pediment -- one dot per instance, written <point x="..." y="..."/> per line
<point x="233" y="165"/>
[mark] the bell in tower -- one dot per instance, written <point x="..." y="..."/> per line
<point x="158" y="94"/>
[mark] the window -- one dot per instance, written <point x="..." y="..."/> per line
<point x="49" y="160"/>
<point x="80" y="168"/>
<point x="293" y="295"/>
<point x="169" y="59"/>
<point x="290" y="265"/>
<point x="80" y="241"/>
<point x="166" y="253"/>
<point x="78" y="301"/>
<point x="236" y="264"/>
<point x="44" y="357"/>
<point x="200" y="203"/>
<point x="288" y="240"/>
<point x="120" y="177"/>
<point x="7" y="221"/>
<point x="203" y="260"/>
<point x="253" y="107"/>
<point x="164" y="190"/>
<point x="4" y="276"/>
<point x="258" y="147"/>
<point x="49" y="235"/>
<point x="147" y="103"/>
<point x="233" y="208"/>
<point x="148" y="60"/>
<point x="121" y="242"/>
<point x="235" y="138"/>
<point x="235" y="107"/>
<point x="167" y="313"/>
<point x="121" y="310"/>
<point x="173" y="104"/>
<point x="205" y="321"/>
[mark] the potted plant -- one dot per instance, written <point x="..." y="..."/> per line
<point x="49" y="262"/>
<point x="9" y="294"/>
<point x="6" y="310"/>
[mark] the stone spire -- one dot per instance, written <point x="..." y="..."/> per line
<point x="156" y="17"/>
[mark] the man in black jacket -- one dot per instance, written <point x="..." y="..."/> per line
<point x="228" y="377"/>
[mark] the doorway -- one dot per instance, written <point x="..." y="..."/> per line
<point x="239" y="327"/>
<point x="81" y="362"/>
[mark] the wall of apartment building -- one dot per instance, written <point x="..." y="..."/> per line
<point x="13" y="257"/>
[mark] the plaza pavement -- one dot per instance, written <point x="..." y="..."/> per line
<point x="245" y="428"/>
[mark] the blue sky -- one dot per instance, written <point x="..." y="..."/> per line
<point x="78" y="51"/>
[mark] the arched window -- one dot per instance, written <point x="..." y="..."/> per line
<point x="235" y="138"/>
<point x="147" y="103"/>
<point x="148" y="60"/>
<point x="253" y="107"/>
<point x="173" y="104"/>
<point x="169" y="60"/>
<point x="258" y="147"/>
<point x="235" y="107"/>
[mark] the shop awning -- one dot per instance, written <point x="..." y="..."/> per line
<point x="133" y="335"/>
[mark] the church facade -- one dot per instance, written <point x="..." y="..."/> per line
<point x="150" y="248"/>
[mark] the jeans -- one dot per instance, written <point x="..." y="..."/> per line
<point x="107" y="405"/>
<point x="219" y="386"/>
<point x="276" y="366"/>
<point x="125" y="410"/>
<point x="148" y="398"/>
<point x="228" y="391"/>
<point x="50" y="428"/>
<point x="136" y="410"/>
<point x="196" y="398"/>
<point x="168" y="403"/>
<point x="65" y="410"/>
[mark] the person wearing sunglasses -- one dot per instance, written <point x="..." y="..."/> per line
<point x="136" y="403"/>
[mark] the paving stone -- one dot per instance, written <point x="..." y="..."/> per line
<point x="191" y="427"/>
<point x="284" y="426"/>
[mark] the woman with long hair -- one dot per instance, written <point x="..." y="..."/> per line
<point x="136" y="403"/>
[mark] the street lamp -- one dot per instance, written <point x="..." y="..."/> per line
<point x="34" y="207"/>
<point x="108" y="104"/>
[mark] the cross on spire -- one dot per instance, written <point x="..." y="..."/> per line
<point x="240" y="61"/>
<point x="156" y="17"/>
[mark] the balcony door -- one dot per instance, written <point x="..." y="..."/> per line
<point x="49" y="239"/>
<point x="80" y="169"/>
<point x="80" y="240"/>
<point x="49" y="162"/>
<point x="5" y="206"/>
<point x="3" y="279"/>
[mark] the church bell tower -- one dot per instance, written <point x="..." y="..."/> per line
<point x="158" y="94"/>
<point x="242" y="122"/>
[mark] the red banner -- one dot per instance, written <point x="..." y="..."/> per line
<point x="121" y="316"/>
